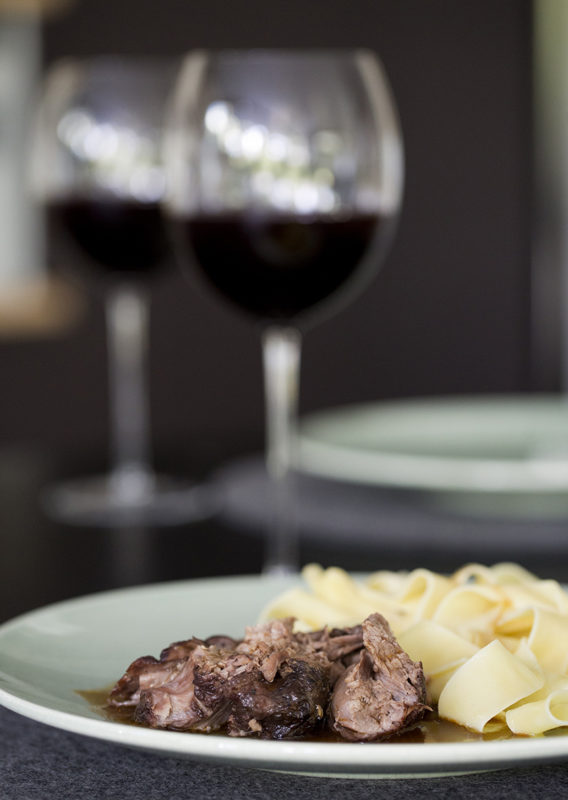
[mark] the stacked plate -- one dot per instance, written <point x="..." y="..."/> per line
<point x="506" y="454"/>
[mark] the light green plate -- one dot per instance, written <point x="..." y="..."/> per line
<point x="505" y="453"/>
<point x="85" y="644"/>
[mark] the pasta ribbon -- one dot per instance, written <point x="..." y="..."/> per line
<point x="487" y="684"/>
<point x="470" y="608"/>
<point x="505" y="573"/>
<point x="440" y="650"/>
<point x="354" y="600"/>
<point x="540" y="716"/>
<point x="386" y="582"/>
<point x="422" y="592"/>
<point x="310" y="612"/>
<point x="547" y="636"/>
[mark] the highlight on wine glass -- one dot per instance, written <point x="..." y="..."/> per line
<point x="97" y="167"/>
<point x="285" y="176"/>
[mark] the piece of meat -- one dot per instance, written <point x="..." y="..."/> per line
<point x="175" y="704"/>
<point x="126" y="692"/>
<point x="187" y="646"/>
<point x="291" y="704"/>
<point x="168" y="703"/>
<point x="277" y="684"/>
<point x="269" y="684"/>
<point x="222" y="642"/>
<point x="344" y="643"/>
<point x="180" y="649"/>
<point x="383" y="694"/>
<point x="269" y="644"/>
<point x="342" y="646"/>
<point x="276" y="687"/>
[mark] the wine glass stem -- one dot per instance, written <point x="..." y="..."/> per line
<point x="281" y="349"/>
<point x="127" y="315"/>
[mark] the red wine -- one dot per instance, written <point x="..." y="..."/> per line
<point x="278" y="267"/>
<point x="120" y="237"/>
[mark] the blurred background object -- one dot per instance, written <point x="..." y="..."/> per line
<point x="549" y="331"/>
<point x="97" y="169"/>
<point x="464" y="305"/>
<point x="31" y="302"/>
<point x="451" y="311"/>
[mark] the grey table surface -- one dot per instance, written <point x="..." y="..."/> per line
<point x="39" y="763"/>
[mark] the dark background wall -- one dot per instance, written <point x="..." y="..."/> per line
<point x="450" y="311"/>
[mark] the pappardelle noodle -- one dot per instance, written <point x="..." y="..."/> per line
<point x="493" y="641"/>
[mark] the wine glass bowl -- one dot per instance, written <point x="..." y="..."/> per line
<point x="286" y="175"/>
<point x="284" y="183"/>
<point x="97" y="167"/>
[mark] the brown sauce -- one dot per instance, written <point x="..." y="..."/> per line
<point x="430" y="729"/>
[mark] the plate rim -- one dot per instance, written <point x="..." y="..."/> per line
<point x="423" y="471"/>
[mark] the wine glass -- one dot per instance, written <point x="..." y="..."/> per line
<point x="285" y="175"/>
<point x="96" y="165"/>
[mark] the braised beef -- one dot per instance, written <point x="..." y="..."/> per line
<point x="277" y="684"/>
<point x="126" y="691"/>
<point x="169" y="703"/>
<point x="383" y="694"/>
<point x="341" y="645"/>
<point x="273" y="685"/>
<point x="291" y="704"/>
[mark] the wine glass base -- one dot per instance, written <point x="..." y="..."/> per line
<point x="102" y="501"/>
